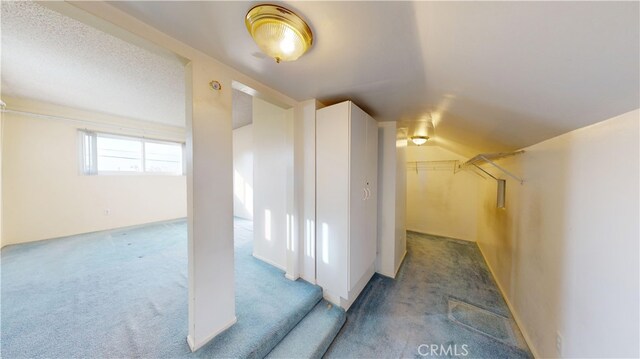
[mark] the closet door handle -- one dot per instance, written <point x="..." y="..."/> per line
<point x="364" y="194"/>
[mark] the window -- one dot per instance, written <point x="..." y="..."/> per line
<point x="162" y="157"/>
<point x="118" y="154"/>
<point x="104" y="153"/>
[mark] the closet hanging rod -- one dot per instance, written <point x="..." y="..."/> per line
<point x="433" y="165"/>
<point x="503" y="170"/>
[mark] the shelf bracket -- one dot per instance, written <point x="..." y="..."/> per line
<point x="501" y="169"/>
<point x="487" y="173"/>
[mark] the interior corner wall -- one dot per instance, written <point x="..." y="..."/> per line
<point x="292" y="262"/>
<point x="391" y="200"/>
<point x="1" y="132"/>
<point x="49" y="198"/>
<point x="401" y="204"/>
<point x="306" y="186"/>
<point x="243" y="172"/>
<point x="565" y="250"/>
<point x="439" y="201"/>
<point x="273" y="152"/>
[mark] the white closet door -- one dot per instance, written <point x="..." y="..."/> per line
<point x="332" y="198"/>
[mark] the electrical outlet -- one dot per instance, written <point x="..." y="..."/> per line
<point x="559" y="343"/>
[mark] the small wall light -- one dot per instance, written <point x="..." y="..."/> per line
<point x="279" y="32"/>
<point x="419" y="140"/>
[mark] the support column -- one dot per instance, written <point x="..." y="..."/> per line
<point x="209" y="206"/>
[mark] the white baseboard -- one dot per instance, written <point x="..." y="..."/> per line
<point x="310" y="280"/>
<point x="439" y="235"/>
<point x="400" y="264"/>
<point x="393" y="274"/>
<point x="195" y="346"/>
<point x="334" y="299"/>
<point x="386" y="274"/>
<point x="511" y="308"/>
<point x="358" y="288"/>
<point x="269" y="262"/>
<point x="290" y="277"/>
<point x="345" y="304"/>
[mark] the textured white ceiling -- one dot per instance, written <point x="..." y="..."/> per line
<point x="242" y="109"/>
<point x="492" y="75"/>
<point x="53" y="58"/>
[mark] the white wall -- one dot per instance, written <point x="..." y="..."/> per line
<point x="440" y="202"/>
<point x="391" y="200"/>
<point x="272" y="167"/>
<point x="305" y="151"/>
<point x="45" y="196"/>
<point x="243" y="172"/>
<point x="401" y="204"/>
<point x="1" y="165"/>
<point x="291" y="256"/>
<point x="565" y="249"/>
<point x="209" y="204"/>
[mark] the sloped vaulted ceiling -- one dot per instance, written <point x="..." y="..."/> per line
<point x="492" y="75"/>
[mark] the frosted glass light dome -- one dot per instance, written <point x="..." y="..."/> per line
<point x="419" y="140"/>
<point x="279" y="32"/>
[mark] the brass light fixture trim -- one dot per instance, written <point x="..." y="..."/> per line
<point x="279" y="32"/>
<point x="215" y="85"/>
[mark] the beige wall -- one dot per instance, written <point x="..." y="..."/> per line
<point x="272" y="181"/>
<point x="438" y="201"/>
<point x="401" y="204"/>
<point x="305" y="179"/>
<point x="243" y="172"/>
<point x="45" y="196"/>
<point x="1" y="144"/>
<point x="565" y="249"/>
<point x="392" y="238"/>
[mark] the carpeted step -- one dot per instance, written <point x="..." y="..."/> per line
<point x="313" y="335"/>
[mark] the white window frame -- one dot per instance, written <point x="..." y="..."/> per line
<point x="88" y="154"/>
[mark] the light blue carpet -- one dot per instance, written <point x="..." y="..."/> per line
<point x="393" y="318"/>
<point x="313" y="335"/>
<point x="123" y="293"/>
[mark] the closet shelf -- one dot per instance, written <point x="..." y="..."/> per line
<point x="489" y="158"/>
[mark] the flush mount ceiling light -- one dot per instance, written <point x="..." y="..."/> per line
<point x="419" y="140"/>
<point x="279" y="32"/>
